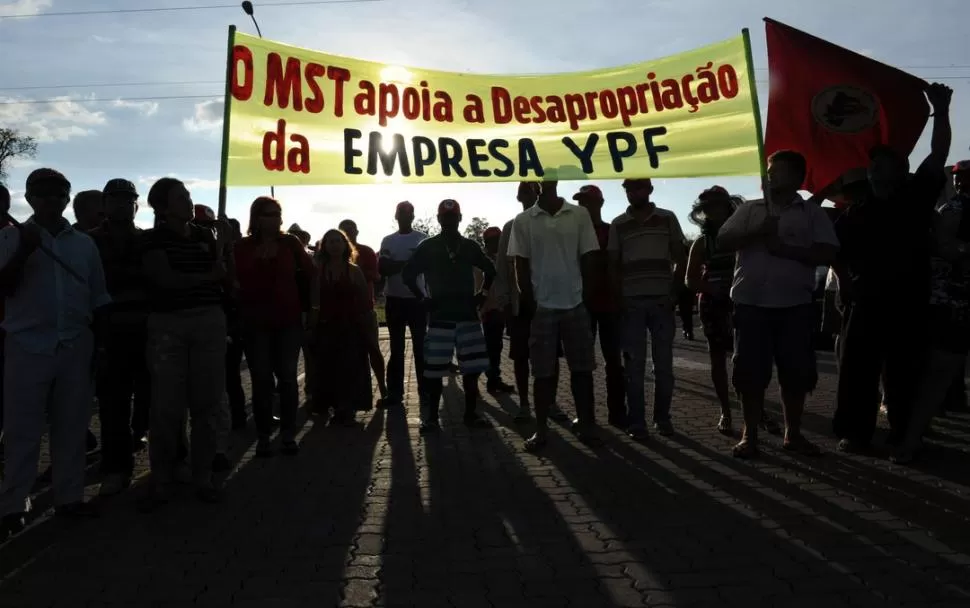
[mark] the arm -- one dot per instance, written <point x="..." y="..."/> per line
<point x="414" y="268"/>
<point x="481" y="262"/>
<point x="946" y="225"/>
<point x="734" y="235"/>
<point x="939" y="96"/>
<point x="695" y="264"/>
<point x="523" y="278"/>
<point x="14" y="252"/>
<point x="678" y="251"/>
<point x="824" y="245"/>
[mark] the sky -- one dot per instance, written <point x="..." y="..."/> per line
<point x="138" y="95"/>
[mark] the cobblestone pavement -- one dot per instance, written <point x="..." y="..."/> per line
<point x="377" y="515"/>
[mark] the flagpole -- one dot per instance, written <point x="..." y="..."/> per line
<point x="227" y="103"/>
<point x="756" y="108"/>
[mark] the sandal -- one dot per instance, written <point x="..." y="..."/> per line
<point x="800" y="445"/>
<point x="724" y="426"/>
<point x="535" y="443"/>
<point x="745" y="450"/>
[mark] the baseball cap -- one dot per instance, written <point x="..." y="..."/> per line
<point x="492" y="232"/>
<point x="120" y="186"/>
<point x="403" y="206"/>
<point x="589" y="191"/>
<point x="640" y="180"/>
<point x="449" y="206"/>
<point x="204" y="214"/>
<point x="962" y="166"/>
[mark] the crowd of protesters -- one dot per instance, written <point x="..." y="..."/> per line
<point x="154" y="324"/>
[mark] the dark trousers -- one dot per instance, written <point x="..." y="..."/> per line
<point x="274" y="353"/>
<point x="123" y="382"/>
<point x="493" y="325"/>
<point x="234" y="388"/>
<point x="607" y="325"/>
<point x="405" y="314"/>
<point x="877" y="338"/>
<point x="685" y="307"/>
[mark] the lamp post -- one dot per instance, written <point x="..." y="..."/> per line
<point x="247" y="7"/>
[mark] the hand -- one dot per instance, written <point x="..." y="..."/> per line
<point x="939" y="95"/>
<point x="769" y="227"/>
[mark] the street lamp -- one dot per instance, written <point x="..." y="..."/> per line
<point x="247" y="7"/>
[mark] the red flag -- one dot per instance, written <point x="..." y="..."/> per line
<point x="834" y="105"/>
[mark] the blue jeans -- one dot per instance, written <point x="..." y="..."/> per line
<point x="654" y="315"/>
<point x="274" y="353"/>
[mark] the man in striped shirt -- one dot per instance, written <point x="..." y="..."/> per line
<point x="646" y="244"/>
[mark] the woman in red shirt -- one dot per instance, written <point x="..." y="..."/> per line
<point x="341" y="342"/>
<point x="274" y="273"/>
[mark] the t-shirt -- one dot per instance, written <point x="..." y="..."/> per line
<point x="886" y="244"/>
<point x="269" y="288"/>
<point x="399" y="247"/>
<point x="191" y="254"/>
<point x="553" y="244"/>
<point x="120" y="252"/>
<point x="367" y="262"/>
<point x="449" y="267"/>
<point x="769" y="281"/>
<point x="644" y="250"/>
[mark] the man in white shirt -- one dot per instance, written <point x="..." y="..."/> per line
<point x="49" y="349"/>
<point x="401" y="310"/>
<point x="553" y="245"/>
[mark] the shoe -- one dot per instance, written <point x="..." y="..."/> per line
<point x="114" y="483"/>
<point x="474" y="421"/>
<point x="664" y="428"/>
<point x="724" y="425"/>
<point x="617" y="420"/>
<point x="77" y="510"/>
<point x="275" y="421"/>
<point x="523" y="415"/>
<point x="428" y="427"/>
<point x="221" y="464"/>
<point x="638" y="433"/>
<point x="12" y="525"/>
<point x="290" y="448"/>
<point x="745" y="450"/>
<point x="689" y="335"/>
<point x="497" y="386"/>
<point x="853" y="447"/>
<point x="587" y="434"/>
<point x="92" y="442"/>
<point x="535" y="443"/>
<point x="139" y="442"/>
<point x="264" y="449"/>
<point x="557" y="414"/>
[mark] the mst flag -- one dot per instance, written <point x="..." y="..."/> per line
<point x="834" y="105"/>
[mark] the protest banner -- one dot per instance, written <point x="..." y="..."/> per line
<point x="300" y="117"/>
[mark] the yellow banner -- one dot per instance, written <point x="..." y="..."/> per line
<point x="302" y="117"/>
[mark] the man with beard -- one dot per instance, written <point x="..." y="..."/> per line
<point x="886" y="256"/>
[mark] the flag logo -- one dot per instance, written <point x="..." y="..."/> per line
<point x="845" y="109"/>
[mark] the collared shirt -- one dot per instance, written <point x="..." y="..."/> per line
<point x="553" y="244"/>
<point x="762" y="279"/>
<point x="644" y="250"/>
<point x="50" y="306"/>
<point x="399" y="247"/>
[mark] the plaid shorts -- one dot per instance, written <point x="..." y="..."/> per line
<point x="572" y="329"/>
<point x="444" y="338"/>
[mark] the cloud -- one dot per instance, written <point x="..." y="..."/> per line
<point x="145" y="108"/>
<point x="23" y="7"/>
<point x="207" y="117"/>
<point x="57" y="119"/>
<point x="19" y="208"/>
<point x="191" y="183"/>
<point x="102" y="39"/>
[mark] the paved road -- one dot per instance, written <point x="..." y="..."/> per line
<point x="377" y="516"/>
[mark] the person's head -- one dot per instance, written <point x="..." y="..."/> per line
<point x="548" y="192"/>
<point x="712" y="208"/>
<point x="449" y="215"/>
<point x="4" y="199"/>
<point x="855" y="186"/>
<point x="236" y="229"/>
<point x="528" y="194"/>
<point x="349" y="227"/>
<point x="786" y="171"/>
<point x="171" y="201"/>
<point x="120" y="201"/>
<point x="638" y="192"/>
<point x="303" y="235"/>
<point x="961" y="179"/>
<point x="590" y="198"/>
<point x="89" y="209"/>
<point x="404" y="215"/>
<point x="491" y="237"/>
<point x="48" y="193"/>
<point x="265" y="217"/>
<point x="335" y="246"/>
<point x="888" y="171"/>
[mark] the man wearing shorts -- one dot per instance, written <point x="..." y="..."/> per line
<point x="554" y="247"/>
<point x="448" y="262"/>
<point x="780" y="242"/>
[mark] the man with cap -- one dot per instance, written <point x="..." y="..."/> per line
<point x="402" y="310"/>
<point x="604" y="309"/>
<point x="122" y="376"/>
<point x="448" y="262"/>
<point x="493" y="315"/>
<point x="50" y="313"/>
<point x="646" y="247"/>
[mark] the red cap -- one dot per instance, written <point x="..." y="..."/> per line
<point x="589" y="191"/>
<point x="404" y="206"/>
<point x="449" y="206"/>
<point x="962" y="166"/>
<point x="204" y="214"/>
<point x="492" y="232"/>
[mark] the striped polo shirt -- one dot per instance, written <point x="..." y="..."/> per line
<point x="191" y="254"/>
<point x="643" y="248"/>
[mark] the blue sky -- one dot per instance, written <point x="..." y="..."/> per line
<point x="92" y="141"/>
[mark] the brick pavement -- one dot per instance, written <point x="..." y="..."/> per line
<point x="378" y="516"/>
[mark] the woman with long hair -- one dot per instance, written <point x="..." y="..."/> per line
<point x="340" y="340"/>
<point x="274" y="273"/>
